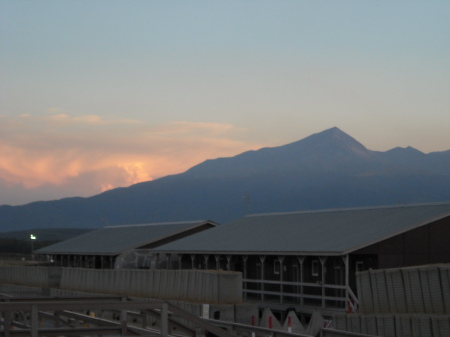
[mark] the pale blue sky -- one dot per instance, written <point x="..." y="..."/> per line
<point x="154" y="87"/>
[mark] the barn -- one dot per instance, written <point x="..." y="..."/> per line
<point x="310" y="258"/>
<point x="108" y="247"/>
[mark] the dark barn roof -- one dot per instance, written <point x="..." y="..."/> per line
<point x="113" y="240"/>
<point x="325" y="232"/>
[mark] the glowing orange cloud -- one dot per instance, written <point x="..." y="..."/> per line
<point x="60" y="150"/>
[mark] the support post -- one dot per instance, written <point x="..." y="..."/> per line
<point x="347" y="278"/>
<point x="217" y="257"/>
<point x="322" y="262"/>
<point x="281" y="259"/>
<point x="168" y="255"/>
<point x="244" y="274"/>
<point x="262" y="258"/>
<point x="206" y="258"/>
<point x="192" y="261"/>
<point x="301" y="259"/>
<point x="157" y="260"/>
<point x="228" y="262"/>
<point x="180" y="257"/>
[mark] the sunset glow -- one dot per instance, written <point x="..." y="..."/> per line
<point x="104" y="94"/>
<point x="34" y="154"/>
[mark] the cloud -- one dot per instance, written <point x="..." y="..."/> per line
<point x="184" y="127"/>
<point x="88" y="120"/>
<point x="62" y="155"/>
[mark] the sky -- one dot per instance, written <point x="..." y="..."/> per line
<point x="101" y="94"/>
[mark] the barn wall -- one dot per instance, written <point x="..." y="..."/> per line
<point x="424" y="245"/>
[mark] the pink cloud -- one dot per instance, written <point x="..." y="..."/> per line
<point x="84" y="155"/>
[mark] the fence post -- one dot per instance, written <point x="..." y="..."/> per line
<point x="34" y="321"/>
<point x="123" y="319"/>
<point x="253" y="324"/>
<point x="164" y="320"/>
<point x="6" y="323"/>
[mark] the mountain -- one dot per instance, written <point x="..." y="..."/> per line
<point x="329" y="150"/>
<point x="329" y="169"/>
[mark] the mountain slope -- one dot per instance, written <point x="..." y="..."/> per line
<point x="330" y="149"/>
<point x="325" y="170"/>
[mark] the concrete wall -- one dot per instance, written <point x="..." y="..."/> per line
<point x="31" y="276"/>
<point x="413" y="301"/>
<point x="201" y="286"/>
<point x="422" y="290"/>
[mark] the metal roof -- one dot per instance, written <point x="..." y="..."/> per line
<point x="326" y="232"/>
<point x="113" y="240"/>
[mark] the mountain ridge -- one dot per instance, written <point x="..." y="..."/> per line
<point x="329" y="144"/>
<point x="328" y="169"/>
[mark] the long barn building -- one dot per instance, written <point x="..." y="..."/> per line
<point x="303" y="259"/>
<point x="310" y="258"/>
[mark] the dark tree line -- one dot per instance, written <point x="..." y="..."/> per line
<point x="21" y="246"/>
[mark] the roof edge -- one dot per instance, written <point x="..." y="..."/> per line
<point x="161" y="223"/>
<point x="195" y="225"/>
<point x="351" y="209"/>
<point x="249" y="253"/>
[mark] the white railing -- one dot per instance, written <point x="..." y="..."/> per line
<point x="349" y="303"/>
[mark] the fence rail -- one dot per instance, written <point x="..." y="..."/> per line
<point x="339" y="333"/>
<point x="348" y="303"/>
<point x="124" y="305"/>
<point x="238" y="329"/>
